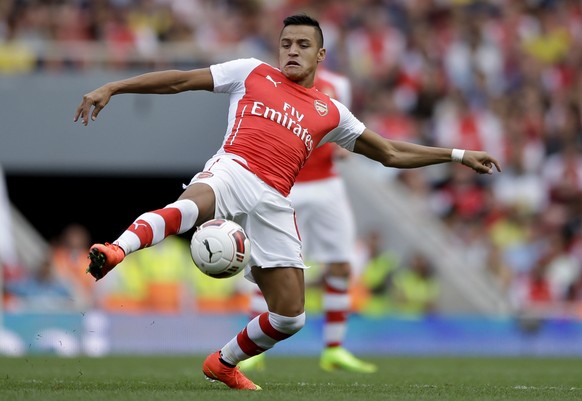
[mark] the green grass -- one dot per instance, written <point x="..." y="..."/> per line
<point x="128" y="378"/>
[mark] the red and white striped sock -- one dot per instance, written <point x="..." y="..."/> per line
<point x="260" y="335"/>
<point x="336" y="307"/>
<point x="152" y="227"/>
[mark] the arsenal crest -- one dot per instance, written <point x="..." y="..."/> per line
<point x="320" y="107"/>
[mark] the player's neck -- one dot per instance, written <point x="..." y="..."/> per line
<point x="306" y="82"/>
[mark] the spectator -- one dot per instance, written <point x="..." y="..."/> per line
<point x="374" y="46"/>
<point x="42" y="290"/>
<point x="520" y="187"/>
<point x="532" y="294"/>
<point x="416" y="289"/>
<point x="69" y="258"/>
<point x="562" y="173"/>
<point x="462" y="196"/>
<point x="377" y="275"/>
<point x="16" y="57"/>
<point x="551" y="40"/>
<point x="470" y="56"/>
<point x="156" y="280"/>
<point x="457" y="122"/>
<point x="562" y="268"/>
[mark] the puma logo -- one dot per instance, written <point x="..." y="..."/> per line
<point x="273" y="81"/>
<point x="137" y="225"/>
<point x="210" y="253"/>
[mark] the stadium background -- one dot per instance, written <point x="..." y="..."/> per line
<point x="505" y="250"/>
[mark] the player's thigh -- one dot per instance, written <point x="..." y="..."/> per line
<point x="283" y="289"/>
<point x="273" y="233"/>
<point x="230" y="189"/>
<point x="203" y="195"/>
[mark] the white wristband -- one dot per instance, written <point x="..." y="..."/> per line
<point x="457" y="155"/>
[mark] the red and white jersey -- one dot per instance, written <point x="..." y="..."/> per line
<point x="274" y="124"/>
<point x="320" y="164"/>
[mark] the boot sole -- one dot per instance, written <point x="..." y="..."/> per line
<point x="97" y="261"/>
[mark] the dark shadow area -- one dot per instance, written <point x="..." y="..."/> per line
<point x="106" y="205"/>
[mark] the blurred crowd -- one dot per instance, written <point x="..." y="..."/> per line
<point x="503" y="76"/>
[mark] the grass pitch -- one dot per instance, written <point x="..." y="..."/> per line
<point x="128" y="378"/>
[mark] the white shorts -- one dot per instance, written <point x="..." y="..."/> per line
<point x="325" y="220"/>
<point x="266" y="216"/>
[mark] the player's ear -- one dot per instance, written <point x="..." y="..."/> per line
<point x="321" y="55"/>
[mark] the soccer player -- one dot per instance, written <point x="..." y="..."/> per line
<point x="327" y="229"/>
<point x="275" y="120"/>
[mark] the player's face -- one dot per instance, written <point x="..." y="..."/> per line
<point x="299" y="53"/>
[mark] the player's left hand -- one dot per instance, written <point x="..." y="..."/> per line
<point x="481" y="162"/>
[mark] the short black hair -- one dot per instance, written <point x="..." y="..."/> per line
<point x="304" y="19"/>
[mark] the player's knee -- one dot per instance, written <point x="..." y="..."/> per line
<point x="287" y="324"/>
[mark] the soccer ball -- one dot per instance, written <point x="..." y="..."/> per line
<point x="220" y="248"/>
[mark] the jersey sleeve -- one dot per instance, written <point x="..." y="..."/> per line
<point x="348" y="130"/>
<point x="229" y="77"/>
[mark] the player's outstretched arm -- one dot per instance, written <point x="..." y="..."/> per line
<point x="409" y="155"/>
<point x="160" y="82"/>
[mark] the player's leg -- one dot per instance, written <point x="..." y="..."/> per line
<point x="284" y="291"/>
<point x="301" y="195"/>
<point x="336" y="308"/>
<point x="194" y="206"/>
<point x="336" y="303"/>
<point x="326" y="223"/>
<point x="270" y="225"/>
<point x="257" y="306"/>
